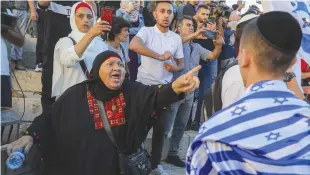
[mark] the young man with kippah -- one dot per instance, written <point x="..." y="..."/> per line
<point x="267" y="130"/>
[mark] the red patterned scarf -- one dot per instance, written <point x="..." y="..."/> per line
<point x="115" y="110"/>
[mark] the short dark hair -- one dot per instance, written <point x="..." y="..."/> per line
<point x="239" y="31"/>
<point x="267" y="58"/>
<point x="235" y="6"/>
<point x="180" y="21"/>
<point x="117" y="24"/>
<point x="203" y="7"/>
<point x="158" y="2"/>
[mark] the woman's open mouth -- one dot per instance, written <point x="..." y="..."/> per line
<point x="116" y="76"/>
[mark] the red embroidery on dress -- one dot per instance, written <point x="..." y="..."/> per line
<point x="114" y="110"/>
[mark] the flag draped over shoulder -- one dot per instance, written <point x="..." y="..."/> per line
<point x="301" y="11"/>
<point x="266" y="132"/>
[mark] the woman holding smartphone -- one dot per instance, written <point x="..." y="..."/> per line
<point x="74" y="55"/>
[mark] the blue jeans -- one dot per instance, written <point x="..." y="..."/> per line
<point x="178" y="113"/>
<point x="22" y="20"/>
<point x="207" y="76"/>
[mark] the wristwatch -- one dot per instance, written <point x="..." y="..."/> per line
<point x="288" y="76"/>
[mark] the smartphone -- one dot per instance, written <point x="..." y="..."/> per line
<point x="210" y="34"/>
<point x="8" y="20"/>
<point x="106" y="14"/>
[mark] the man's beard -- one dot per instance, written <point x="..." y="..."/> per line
<point x="201" y="20"/>
<point x="164" y="25"/>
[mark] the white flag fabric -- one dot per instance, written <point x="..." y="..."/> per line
<point x="301" y="11"/>
<point x="266" y="132"/>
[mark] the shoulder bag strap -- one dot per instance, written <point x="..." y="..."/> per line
<point x="124" y="56"/>
<point x="106" y="123"/>
<point x="107" y="128"/>
<point x="82" y="62"/>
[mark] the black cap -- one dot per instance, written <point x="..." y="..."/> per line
<point x="280" y="30"/>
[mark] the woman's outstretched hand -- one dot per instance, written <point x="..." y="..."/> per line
<point x="187" y="82"/>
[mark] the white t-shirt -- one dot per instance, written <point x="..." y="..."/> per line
<point x="232" y="86"/>
<point x="5" y="66"/>
<point x="152" y="71"/>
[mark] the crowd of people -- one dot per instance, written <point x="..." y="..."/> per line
<point x="171" y="67"/>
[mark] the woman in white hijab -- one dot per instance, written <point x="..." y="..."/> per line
<point x="83" y="44"/>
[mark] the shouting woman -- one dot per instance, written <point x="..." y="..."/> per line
<point x="72" y="134"/>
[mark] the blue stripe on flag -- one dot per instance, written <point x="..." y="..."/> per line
<point x="264" y="173"/>
<point x="298" y="154"/>
<point x="261" y="129"/>
<point x="281" y="144"/>
<point x="247" y="155"/>
<point x="206" y="169"/>
<point x="234" y="172"/>
<point x="247" y="117"/>
<point x="225" y="156"/>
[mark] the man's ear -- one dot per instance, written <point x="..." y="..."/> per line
<point x="293" y="63"/>
<point x="243" y="59"/>
<point x="154" y="15"/>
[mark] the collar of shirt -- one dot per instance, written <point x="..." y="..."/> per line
<point x="159" y="32"/>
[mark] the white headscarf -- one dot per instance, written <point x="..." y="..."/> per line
<point x="75" y="33"/>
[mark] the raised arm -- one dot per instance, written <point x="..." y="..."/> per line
<point x="138" y="46"/>
<point x="189" y="37"/>
<point x="33" y="12"/>
<point x="70" y="54"/>
<point x="218" y="48"/>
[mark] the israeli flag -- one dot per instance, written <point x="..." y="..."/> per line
<point x="301" y="11"/>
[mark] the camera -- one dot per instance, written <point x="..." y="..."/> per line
<point x="222" y="11"/>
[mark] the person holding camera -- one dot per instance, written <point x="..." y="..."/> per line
<point x="208" y="72"/>
<point x="13" y="35"/>
<point x="74" y="55"/>
<point x="179" y="112"/>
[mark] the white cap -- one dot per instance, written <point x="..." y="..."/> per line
<point x="246" y="18"/>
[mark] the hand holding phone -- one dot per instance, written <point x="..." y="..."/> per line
<point x="99" y="28"/>
<point x="210" y="34"/>
<point x="106" y="15"/>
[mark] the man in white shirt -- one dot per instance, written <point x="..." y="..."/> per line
<point x="161" y="54"/>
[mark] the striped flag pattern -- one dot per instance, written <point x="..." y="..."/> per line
<point x="267" y="132"/>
